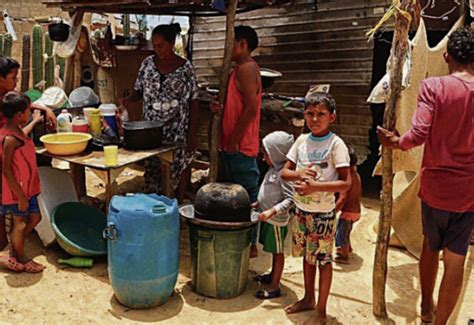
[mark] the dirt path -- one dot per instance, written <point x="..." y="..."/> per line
<point x="75" y="296"/>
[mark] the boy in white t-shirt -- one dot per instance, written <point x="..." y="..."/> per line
<point x="318" y="165"/>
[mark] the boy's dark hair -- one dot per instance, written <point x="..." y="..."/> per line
<point x="7" y="65"/>
<point x="248" y="34"/>
<point x="321" y="98"/>
<point x="15" y="102"/>
<point x="461" y="45"/>
<point x="167" y="31"/>
<point x="352" y="156"/>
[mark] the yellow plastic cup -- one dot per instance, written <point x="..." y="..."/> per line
<point x="111" y="155"/>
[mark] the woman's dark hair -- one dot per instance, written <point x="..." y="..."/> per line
<point x="461" y="45"/>
<point x="321" y="98"/>
<point x="15" y="102"/>
<point x="247" y="33"/>
<point x="7" y="65"/>
<point x="168" y="32"/>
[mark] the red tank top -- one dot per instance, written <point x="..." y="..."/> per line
<point x="234" y="107"/>
<point x="25" y="169"/>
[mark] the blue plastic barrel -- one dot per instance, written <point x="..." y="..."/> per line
<point x="143" y="249"/>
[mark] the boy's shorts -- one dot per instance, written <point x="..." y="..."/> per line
<point x="313" y="236"/>
<point x="446" y="229"/>
<point x="344" y="228"/>
<point x="33" y="207"/>
<point x="272" y="237"/>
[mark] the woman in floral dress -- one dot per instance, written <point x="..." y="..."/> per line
<point x="167" y="85"/>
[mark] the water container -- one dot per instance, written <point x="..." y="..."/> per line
<point x="64" y="121"/>
<point x="143" y="249"/>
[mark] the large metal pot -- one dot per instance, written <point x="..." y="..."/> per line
<point x="142" y="135"/>
<point x="223" y="202"/>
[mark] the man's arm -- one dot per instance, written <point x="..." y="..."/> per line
<point x="421" y="124"/>
<point x="247" y="80"/>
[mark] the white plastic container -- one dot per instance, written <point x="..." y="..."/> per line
<point x="57" y="187"/>
<point x="83" y="96"/>
<point x="64" y="121"/>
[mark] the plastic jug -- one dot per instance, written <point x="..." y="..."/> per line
<point x="80" y="124"/>
<point x="95" y="122"/>
<point x="143" y="248"/>
<point x="64" y="121"/>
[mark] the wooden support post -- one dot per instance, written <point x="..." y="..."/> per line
<point x="398" y="52"/>
<point x="223" y="82"/>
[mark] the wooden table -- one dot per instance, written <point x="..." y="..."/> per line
<point x="95" y="161"/>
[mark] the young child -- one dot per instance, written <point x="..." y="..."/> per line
<point x="318" y="166"/>
<point x="20" y="179"/>
<point x="350" y="213"/>
<point x="8" y="77"/>
<point x="275" y="198"/>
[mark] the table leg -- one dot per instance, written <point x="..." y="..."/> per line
<point x="78" y="173"/>
<point x="109" y="177"/>
<point x="166" y="179"/>
<point x="166" y="160"/>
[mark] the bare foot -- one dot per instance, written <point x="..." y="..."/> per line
<point x="253" y="251"/>
<point x="299" y="306"/>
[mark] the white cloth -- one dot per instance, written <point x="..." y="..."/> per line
<point x="327" y="154"/>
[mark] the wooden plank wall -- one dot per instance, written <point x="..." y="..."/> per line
<point x="309" y="45"/>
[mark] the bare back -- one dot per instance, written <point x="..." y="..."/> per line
<point x="352" y="203"/>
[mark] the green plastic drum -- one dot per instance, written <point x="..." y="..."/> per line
<point x="220" y="260"/>
<point x="79" y="228"/>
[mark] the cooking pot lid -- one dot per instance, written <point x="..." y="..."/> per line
<point x="187" y="212"/>
<point x="141" y="125"/>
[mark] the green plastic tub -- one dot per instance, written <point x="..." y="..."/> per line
<point x="79" y="228"/>
<point x="220" y="260"/>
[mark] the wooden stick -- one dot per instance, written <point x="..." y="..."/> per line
<point x="398" y="52"/>
<point x="223" y="83"/>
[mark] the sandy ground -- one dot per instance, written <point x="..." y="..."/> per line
<point x="77" y="296"/>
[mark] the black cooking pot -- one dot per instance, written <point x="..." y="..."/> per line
<point x="222" y="202"/>
<point x="142" y="135"/>
<point x="58" y="32"/>
<point x="268" y="77"/>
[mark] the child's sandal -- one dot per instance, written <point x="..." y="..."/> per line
<point x="263" y="278"/>
<point x="33" y="267"/>
<point x="12" y="264"/>
<point x="265" y="294"/>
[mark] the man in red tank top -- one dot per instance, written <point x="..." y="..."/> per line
<point x="444" y="123"/>
<point x="241" y="117"/>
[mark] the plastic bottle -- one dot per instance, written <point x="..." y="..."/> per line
<point x="64" y="121"/>
<point x="77" y="261"/>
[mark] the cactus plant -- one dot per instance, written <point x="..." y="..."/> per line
<point x="37" y="62"/>
<point x="62" y="66"/>
<point x="25" y="62"/>
<point x="1" y="44"/>
<point x="49" y="64"/>
<point x="7" y="45"/>
<point x="126" y="25"/>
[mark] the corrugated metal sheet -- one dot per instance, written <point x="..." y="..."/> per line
<point x="308" y="45"/>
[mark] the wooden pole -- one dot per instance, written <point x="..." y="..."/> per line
<point x="223" y="83"/>
<point x="398" y="52"/>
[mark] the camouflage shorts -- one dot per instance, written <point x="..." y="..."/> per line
<point x="313" y="236"/>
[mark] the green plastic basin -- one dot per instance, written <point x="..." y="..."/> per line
<point x="79" y="228"/>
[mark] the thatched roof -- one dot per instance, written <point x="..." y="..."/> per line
<point x="158" y="7"/>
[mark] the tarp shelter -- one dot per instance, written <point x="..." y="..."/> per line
<point x="180" y="7"/>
